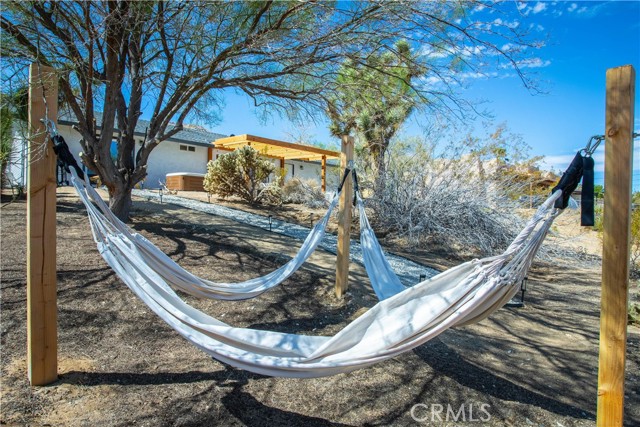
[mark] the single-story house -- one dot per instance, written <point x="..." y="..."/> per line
<point x="187" y="153"/>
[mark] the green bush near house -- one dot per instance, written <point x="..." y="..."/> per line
<point x="242" y="173"/>
<point x="6" y="141"/>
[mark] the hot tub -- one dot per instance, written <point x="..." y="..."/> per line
<point x="185" y="181"/>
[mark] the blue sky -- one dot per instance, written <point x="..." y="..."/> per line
<point x="584" y="39"/>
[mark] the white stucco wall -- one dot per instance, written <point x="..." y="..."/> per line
<point x="165" y="158"/>
<point x="311" y="171"/>
<point x="16" y="172"/>
<point x="168" y="158"/>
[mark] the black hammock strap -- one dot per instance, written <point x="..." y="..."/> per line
<point x="581" y="168"/>
<point x="65" y="157"/>
<point x="344" y="179"/>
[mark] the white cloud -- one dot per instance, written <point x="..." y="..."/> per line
<point x="472" y="50"/>
<point x="539" y="7"/>
<point x="529" y="63"/>
<point x="465" y="51"/>
<point x="432" y="80"/>
<point x="561" y="162"/>
<point x="572" y="7"/>
<point x="432" y="52"/>
<point x="534" y="63"/>
<point x="598" y="159"/>
<point x="557" y="162"/>
<point x="476" y="75"/>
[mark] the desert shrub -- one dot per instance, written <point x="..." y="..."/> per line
<point x="242" y="173"/>
<point x="598" y="223"/>
<point x="634" y="314"/>
<point x="429" y="198"/>
<point x="305" y="192"/>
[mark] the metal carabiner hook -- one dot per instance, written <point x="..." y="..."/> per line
<point x="50" y="127"/>
<point x="591" y="145"/>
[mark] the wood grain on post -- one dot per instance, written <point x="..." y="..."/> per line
<point x="42" y="339"/>
<point x="616" y="240"/>
<point x="344" y="220"/>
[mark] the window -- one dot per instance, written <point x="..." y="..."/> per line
<point x="187" y="148"/>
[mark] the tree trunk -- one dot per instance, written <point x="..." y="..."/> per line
<point x="379" y="169"/>
<point x="120" y="203"/>
<point x="2" y="174"/>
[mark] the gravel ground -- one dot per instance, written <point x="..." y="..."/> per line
<point x="408" y="272"/>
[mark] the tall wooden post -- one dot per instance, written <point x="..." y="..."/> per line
<point x="42" y="339"/>
<point x="324" y="173"/>
<point x="344" y="220"/>
<point x="282" y="171"/>
<point x="616" y="239"/>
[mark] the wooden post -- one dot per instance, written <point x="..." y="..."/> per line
<point x="283" y="171"/>
<point x="616" y="238"/>
<point x="42" y="339"/>
<point x="324" y="173"/>
<point x="344" y="220"/>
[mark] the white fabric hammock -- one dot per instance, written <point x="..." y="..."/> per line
<point x="179" y="278"/>
<point x="386" y="283"/>
<point x="464" y="294"/>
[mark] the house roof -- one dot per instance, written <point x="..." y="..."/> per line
<point x="275" y="148"/>
<point x="190" y="135"/>
<point x="202" y="137"/>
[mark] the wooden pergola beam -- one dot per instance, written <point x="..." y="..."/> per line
<point x="256" y="141"/>
<point x="285" y="153"/>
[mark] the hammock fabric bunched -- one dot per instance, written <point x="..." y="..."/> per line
<point x="179" y="278"/>
<point x="403" y="320"/>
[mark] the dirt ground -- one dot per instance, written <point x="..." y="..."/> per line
<point x="119" y="365"/>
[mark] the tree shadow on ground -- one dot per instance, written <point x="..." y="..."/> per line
<point x="241" y="408"/>
<point x="445" y="361"/>
<point x="80" y="378"/>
